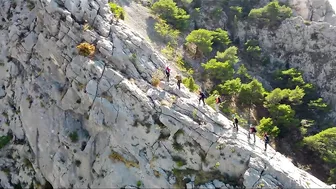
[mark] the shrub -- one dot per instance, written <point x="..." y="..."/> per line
<point x="117" y="157"/>
<point x="156" y="78"/>
<point x="253" y="50"/>
<point x="266" y="126"/>
<point x="139" y="183"/>
<point x="221" y="71"/>
<point x="323" y="142"/>
<point x="244" y="76"/>
<point x="202" y="38"/>
<point x="270" y="15"/>
<point x="117" y="11"/>
<point x="86" y="49"/>
<point x="190" y="84"/>
<point x="251" y="93"/>
<point x="73" y="136"/>
<point x="4" y="140"/>
<point x="221" y="38"/>
<point x="284" y="114"/>
<point x="168" y="10"/>
<point x="230" y="87"/>
<point x="166" y="31"/>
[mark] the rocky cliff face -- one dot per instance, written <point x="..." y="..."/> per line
<point x="99" y="123"/>
<point x="309" y="47"/>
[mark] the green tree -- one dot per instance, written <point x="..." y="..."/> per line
<point x="168" y="10"/>
<point x="221" y="71"/>
<point x="270" y="15"/>
<point x="266" y="126"/>
<point x="242" y="73"/>
<point x="251" y="93"/>
<point x="324" y="143"/>
<point x="202" y="38"/>
<point x="274" y="97"/>
<point x="221" y="38"/>
<point x="230" y="55"/>
<point x="283" y="115"/>
<point x="166" y="31"/>
<point x="295" y="96"/>
<point x="253" y="50"/>
<point x="230" y="87"/>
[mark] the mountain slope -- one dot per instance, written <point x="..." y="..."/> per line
<point x="99" y="123"/>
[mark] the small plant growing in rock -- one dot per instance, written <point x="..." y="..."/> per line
<point x="30" y="5"/>
<point x="139" y="183"/>
<point x="217" y="165"/>
<point x="260" y="186"/>
<point x="133" y="57"/>
<point x="117" y="10"/>
<point x="86" y="49"/>
<point x="4" y="140"/>
<point x="87" y="27"/>
<point x="117" y="157"/>
<point x="156" y="173"/>
<point x="73" y="137"/>
<point x="156" y="78"/>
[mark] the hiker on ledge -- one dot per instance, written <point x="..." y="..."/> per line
<point x="218" y="101"/>
<point x="179" y="81"/>
<point x="202" y="97"/>
<point x="235" y="123"/>
<point x="252" y="131"/>
<point x="266" y="139"/>
<point x="167" y="70"/>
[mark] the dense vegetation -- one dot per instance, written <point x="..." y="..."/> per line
<point x="291" y="112"/>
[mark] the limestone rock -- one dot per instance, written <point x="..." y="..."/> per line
<point x="97" y="122"/>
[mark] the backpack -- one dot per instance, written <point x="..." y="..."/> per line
<point x="266" y="139"/>
<point x="218" y="100"/>
<point x="253" y="130"/>
<point x="236" y="120"/>
<point x="202" y="95"/>
<point x="167" y="70"/>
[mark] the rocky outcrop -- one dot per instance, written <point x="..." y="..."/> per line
<point x="309" y="47"/>
<point x="99" y="123"/>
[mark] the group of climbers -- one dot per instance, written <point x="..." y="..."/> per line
<point x="252" y="129"/>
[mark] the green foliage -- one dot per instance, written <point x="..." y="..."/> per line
<point x="139" y="183"/>
<point x="230" y="87"/>
<point x="117" y="11"/>
<point x="73" y="136"/>
<point x="283" y="115"/>
<point x="290" y="79"/>
<point x="211" y="101"/>
<point x="251" y="93"/>
<point x="324" y="143"/>
<point x="270" y="15"/>
<point x="166" y="31"/>
<point x="168" y="10"/>
<point x="253" y="50"/>
<point x="236" y="11"/>
<point x="244" y="76"/>
<point x="266" y="126"/>
<point x="318" y="105"/>
<point x="230" y="55"/>
<point x="190" y="84"/>
<point x="202" y="38"/>
<point x="221" y="71"/>
<point x="4" y="140"/>
<point x="332" y="177"/>
<point x="292" y="97"/>
<point x="221" y="38"/>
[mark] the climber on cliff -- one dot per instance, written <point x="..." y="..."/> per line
<point x="179" y="81"/>
<point x="252" y="131"/>
<point x="266" y="139"/>
<point x="235" y="123"/>
<point x="202" y="97"/>
<point x="167" y="70"/>
<point x="218" y="101"/>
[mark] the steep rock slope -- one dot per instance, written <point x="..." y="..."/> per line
<point x="98" y="123"/>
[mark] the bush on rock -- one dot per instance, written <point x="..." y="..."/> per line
<point x="86" y="49"/>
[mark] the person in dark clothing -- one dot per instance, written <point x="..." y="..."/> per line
<point x="218" y="101"/>
<point x="179" y="81"/>
<point x="252" y="131"/>
<point x="266" y="139"/>
<point x="202" y="97"/>
<point x="167" y="70"/>
<point x="235" y="123"/>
